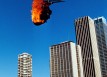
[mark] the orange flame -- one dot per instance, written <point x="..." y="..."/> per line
<point x="36" y="11"/>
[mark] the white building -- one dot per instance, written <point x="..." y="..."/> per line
<point x="24" y="65"/>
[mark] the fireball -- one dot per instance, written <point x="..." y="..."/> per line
<point x="40" y="12"/>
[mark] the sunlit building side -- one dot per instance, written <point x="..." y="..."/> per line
<point x="79" y="61"/>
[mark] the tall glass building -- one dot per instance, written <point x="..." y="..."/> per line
<point x="101" y="33"/>
<point x="24" y="65"/>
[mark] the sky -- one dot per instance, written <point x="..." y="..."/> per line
<point x="18" y="34"/>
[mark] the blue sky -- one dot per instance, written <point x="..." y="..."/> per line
<point x="18" y="34"/>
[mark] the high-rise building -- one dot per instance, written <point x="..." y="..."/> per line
<point x="86" y="38"/>
<point x="63" y="60"/>
<point x="24" y="65"/>
<point x="101" y="33"/>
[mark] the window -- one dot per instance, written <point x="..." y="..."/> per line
<point x="100" y="20"/>
<point x="96" y="21"/>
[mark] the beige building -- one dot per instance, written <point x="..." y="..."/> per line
<point x="24" y="65"/>
<point x="63" y="60"/>
<point x="86" y="38"/>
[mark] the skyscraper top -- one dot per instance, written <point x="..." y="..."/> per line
<point x="62" y="43"/>
<point x="100" y="20"/>
<point x="81" y="18"/>
<point x="24" y="55"/>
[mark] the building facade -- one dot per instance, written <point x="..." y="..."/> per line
<point x="63" y="60"/>
<point x="24" y="65"/>
<point x="86" y="38"/>
<point x="101" y="33"/>
<point x="79" y="61"/>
